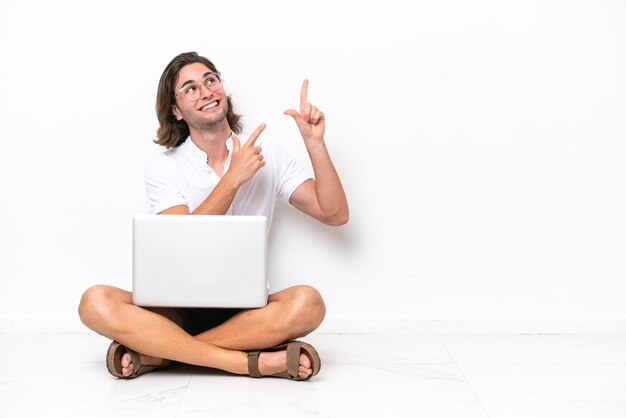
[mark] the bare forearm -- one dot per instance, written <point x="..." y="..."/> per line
<point x="328" y="188"/>
<point x="220" y="199"/>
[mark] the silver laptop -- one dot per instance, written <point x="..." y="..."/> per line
<point x="200" y="261"/>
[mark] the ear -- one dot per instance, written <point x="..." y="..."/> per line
<point x="176" y="112"/>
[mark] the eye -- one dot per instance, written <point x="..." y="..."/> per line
<point x="210" y="80"/>
<point x="190" y="89"/>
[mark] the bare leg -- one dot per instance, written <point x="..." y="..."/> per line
<point x="290" y="313"/>
<point x="110" y="312"/>
<point x="300" y="309"/>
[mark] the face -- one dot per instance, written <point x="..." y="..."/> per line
<point x="208" y="112"/>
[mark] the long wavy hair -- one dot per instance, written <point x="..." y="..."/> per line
<point x="172" y="132"/>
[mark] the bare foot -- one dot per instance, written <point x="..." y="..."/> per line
<point x="128" y="367"/>
<point x="269" y="363"/>
<point x="276" y="362"/>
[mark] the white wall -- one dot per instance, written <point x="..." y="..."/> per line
<point x="482" y="146"/>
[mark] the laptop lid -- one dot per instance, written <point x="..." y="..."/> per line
<point x="205" y="261"/>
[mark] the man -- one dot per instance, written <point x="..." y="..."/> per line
<point x="208" y="170"/>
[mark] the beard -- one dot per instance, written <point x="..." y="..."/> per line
<point x="209" y="123"/>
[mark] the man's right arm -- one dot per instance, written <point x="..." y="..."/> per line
<point x="217" y="203"/>
<point x="245" y="161"/>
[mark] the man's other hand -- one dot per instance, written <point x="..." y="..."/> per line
<point x="246" y="160"/>
<point x="311" y="121"/>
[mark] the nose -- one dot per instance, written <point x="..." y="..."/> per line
<point x="202" y="88"/>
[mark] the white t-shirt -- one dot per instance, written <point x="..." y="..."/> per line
<point x="181" y="176"/>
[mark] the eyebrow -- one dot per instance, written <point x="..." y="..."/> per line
<point x="205" y="75"/>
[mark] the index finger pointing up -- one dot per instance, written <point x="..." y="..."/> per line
<point x="254" y="135"/>
<point x="304" y="93"/>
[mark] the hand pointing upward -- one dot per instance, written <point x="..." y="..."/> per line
<point x="310" y="120"/>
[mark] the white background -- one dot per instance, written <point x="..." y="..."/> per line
<point x="482" y="146"/>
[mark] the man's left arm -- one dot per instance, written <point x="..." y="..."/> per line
<point x="323" y="198"/>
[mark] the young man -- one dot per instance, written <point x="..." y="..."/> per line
<point x="208" y="170"/>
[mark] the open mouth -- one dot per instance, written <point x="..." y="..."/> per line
<point x="209" y="106"/>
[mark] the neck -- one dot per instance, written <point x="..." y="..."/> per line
<point x="212" y="142"/>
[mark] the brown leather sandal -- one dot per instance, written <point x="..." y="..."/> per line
<point x="114" y="362"/>
<point x="294" y="349"/>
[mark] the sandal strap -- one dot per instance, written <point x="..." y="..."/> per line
<point x="293" y="359"/>
<point x="135" y="359"/>
<point x="253" y="364"/>
<point x="144" y="368"/>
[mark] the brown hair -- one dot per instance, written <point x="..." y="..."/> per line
<point x="172" y="132"/>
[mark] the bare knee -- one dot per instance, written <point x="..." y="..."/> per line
<point x="91" y="304"/>
<point x="98" y="305"/>
<point x="306" y="310"/>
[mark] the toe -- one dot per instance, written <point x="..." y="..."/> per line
<point x="127" y="365"/>
<point x="305" y="361"/>
<point x="126" y="360"/>
<point x="303" y="372"/>
<point x="127" y="371"/>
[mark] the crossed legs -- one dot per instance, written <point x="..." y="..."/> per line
<point x="156" y="333"/>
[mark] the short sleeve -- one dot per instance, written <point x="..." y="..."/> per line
<point x="163" y="189"/>
<point x="290" y="174"/>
